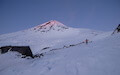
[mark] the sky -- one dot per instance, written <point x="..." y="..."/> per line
<point x="16" y="15"/>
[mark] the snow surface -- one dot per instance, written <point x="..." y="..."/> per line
<point x="99" y="57"/>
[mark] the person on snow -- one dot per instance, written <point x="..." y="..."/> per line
<point x="86" y="41"/>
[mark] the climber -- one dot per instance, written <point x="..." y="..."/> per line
<point x="86" y="41"/>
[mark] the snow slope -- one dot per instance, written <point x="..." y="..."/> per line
<point x="66" y="55"/>
<point x="101" y="57"/>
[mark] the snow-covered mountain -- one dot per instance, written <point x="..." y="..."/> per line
<point x="51" y="25"/>
<point x="65" y="52"/>
<point x="49" y="34"/>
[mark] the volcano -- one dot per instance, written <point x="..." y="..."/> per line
<point x="64" y="51"/>
<point x="50" y="25"/>
<point x="49" y="34"/>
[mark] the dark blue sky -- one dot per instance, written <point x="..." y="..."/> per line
<point x="18" y="15"/>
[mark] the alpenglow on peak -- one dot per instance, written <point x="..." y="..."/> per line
<point x="50" y="25"/>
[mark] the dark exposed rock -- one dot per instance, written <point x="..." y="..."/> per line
<point x="117" y="29"/>
<point x="71" y="45"/>
<point x="45" y="48"/>
<point x="39" y="55"/>
<point x="24" y="50"/>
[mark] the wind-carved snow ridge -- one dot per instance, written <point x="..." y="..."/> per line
<point x="50" y="25"/>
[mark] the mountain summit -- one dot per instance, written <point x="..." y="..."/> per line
<point x="50" y="25"/>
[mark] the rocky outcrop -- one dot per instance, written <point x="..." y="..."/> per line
<point x="24" y="50"/>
